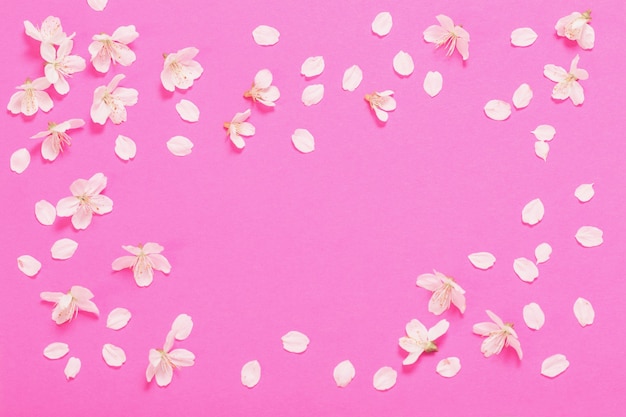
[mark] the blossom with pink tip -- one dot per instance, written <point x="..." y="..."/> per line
<point x="499" y="335"/>
<point x="262" y="89"/>
<point x="85" y="201"/>
<point x="145" y="259"/>
<point x="69" y="304"/>
<point x="50" y="34"/>
<point x="381" y="103"/>
<point x="60" y="65"/>
<point x="180" y="70"/>
<point x="449" y="35"/>
<point x="445" y="291"/>
<point x="110" y="101"/>
<point x="162" y="362"/>
<point x="31" y="98"/>
<point x="238" y="127"/>
<point x="419" y="340"/>
<point x="56" y="138"/>
<point x="576" y="27"/>
<point x="567" y="82"/>
<point x="113" y="48"/>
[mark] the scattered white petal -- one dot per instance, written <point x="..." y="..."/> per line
<point x="523" y="37"/>
<point x="63" y="249"/>
<point x="449" y="367"/>
<point x="352" y="78"/>
<point x="97" y="5"/>
<point x="125" y="147"/>
<point x="113" y="355"/>
<point x="543" y="252"/>
<point x="403" y="64"/>
<point x="313" y="94"/>
<point x="303" y="140"/>
<point x="497" y="109"/>
<point x="344" y="373"/>
<point x="525" y="269"/>
<point x="584" y="192"/>
<point x="28" y="265"/>
<point x="554" y="365"/>
<point x="312" y="66"/>
<point x="118" y="318"/>
<point x="56" y="350"/>
<point x="251" y="374"/>
<point x="295" y="342"/>
<point x="433" y="82"/>
<point x="482" y="260"/>
<point x="533" y="212"/>
<point x="45" y="212"/>
<point x="188" y="111"/>
<point x="182" y="326"/>
<point x="544" y="133"/>
<point x="589" y="236"/>
<point x="542" y="149"/>
<point x="522" y="96"/>
<point x="382" y="24"/>
<point x="385" y="378"/>
<point x="265" y="35"/>
<point x="583" y="310"/>
<point x="72" y="368"/>
<point x="533" y="316"/>
<point x="20" y="160"/>
<point x="180" y="146"/>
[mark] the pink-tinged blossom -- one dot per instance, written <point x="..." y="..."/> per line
<point x="31" y="98"/>
<point x="85" y="201"/>
<point x="238" y="127"/>
<point x="61" y="65"/>
<point x="180" y="70"/>
<point x="51" y="33"/>
<point x="449" y="36"/>
<point x="110" y="101"/>
<point x="113" y="48"/>
<point x="420" y="340"/>
<point x="146" y="258"/>
<point x="445" y="291"/>
<point x="56" y="138"/>
<point x="69" y="304"/>
<point x="162" y="362"/>
<point x="381" y="103"/>
<point x="567" y="82"/>
<point x="575" y="27"/>
<point x="499" y="335"/>
<point x="262" y="89"/>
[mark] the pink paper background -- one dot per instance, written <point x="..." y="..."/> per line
<point x="269" y="240"/>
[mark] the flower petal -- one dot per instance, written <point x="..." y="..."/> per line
<point x="403" y="64"/>
<point x="542" y="149"/>
<point x="522" y="96"/>
<point x="72" y="368"/>
<point x="543" y="252"/>
<point x="28" y="265"/>
<point x="295" y="342"/>
<point x="179" y="146"/>
<point x="313" y="94"/>
<point x="583" y="310"/>
<point x="544" y="133"/>
<point x="497" y="109"/>
<point x="554" y="365"/>
<point x="523" y="37"/>
<point x="118" y="318"/>
<point x="438" y="330"/>
<point x="20" y="160"/>
<point x="45" y="212"/>
<point x="265" y="35"/>
<point x="352" y="78"/>
<point x="63" y="249"/>
<point x="449" y="367"/>
<point x="125" y="148"/>
<point x="312" y="66"/>
<point x="525" y="269"/>
<point x="97" y="5"/>
<point x="344" y="373"/>
<point x="589" y="236"/>
<point x="251" y="374"/>
<point x="482" y="260"/>
<point x="303" y="140"/>
<point x="382" y="24"/>
<point x="385" y="378"/>
<point x="433" y="82"/>
<point x="533" y="212"/>
<point x="113" y="355"/>
<point x="188" y="111"/>
<point x="584" y="192"/>
<point x="533" y="316"/>
<point x="182" y="326"/>
<point x="56" y="350"/>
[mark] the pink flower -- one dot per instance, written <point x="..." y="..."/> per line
<point x="448" y="35"/>
<point x="146" y="258"/>
<point x="180" y="70"/>
<point x="567" y="83"/>
<point x="420" y="340"/>
<point x="381" y="103"/>
<point x="67" y="305"/>
<point x="445" y="291"/>
<point x="575" y="27"/>
<point x="262" y="89"/>
<point x="162" y="362"/>
<point x="31" y="98"/>
<point x="55" y="137"/>
<point x="109" y="101"/>
<point x="239" y="127"/>
<point x="106" y="49"/>
<point x="85" y="201"/>
<point x="499" y="335"/>
<point x="51" y="33"/>
<point x="60" y="65"/>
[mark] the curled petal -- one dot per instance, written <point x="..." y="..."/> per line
<point x="344" y="373"/>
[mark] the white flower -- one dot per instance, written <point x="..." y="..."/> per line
<point x="51" y="33"/>
<point x="180" y="70"/>
<point x="145" y="259"/>
<point x="575" y="27"/>
<point x="262" y="89"/>
<point x="114" y="48"/>
<point x="85" y="201"/>
<point x="68" y="304"/>
<point x="420" y="340"/>
<point x="60" y="65"/>
<point x="162" y="362"/>
<point x="238" y="127"/>
<point x="567" y="82"/>
<point x="109" y="101"/>
<point x="381" y="103"/>
<point x="56" y="138"/>
<point x="499" y="335"/>
<point x="31" y="98"/>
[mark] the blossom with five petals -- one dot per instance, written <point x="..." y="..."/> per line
<point x="109" y="101"/>
<point x="31" y="98"/>
<point x="445" y="291"/>
<point x="449" y="36"/>
<point x="420" y="340"/>
<point x="51" y="33"/>
<point x="567" y="82"/>
<point x="575" y="27"/>
<point x="60" y="64"/>
<point x="68" y="304"/>
<point x="180" y="70"/>
<point x="146" y="258"/>
<point x="262" y="89"/>
<point x="499" y="335"/>
<point x="113" y="48"/>
<point x="56" y="138"/>
<point x="381" y="103"/>
<point x="162" y="362"/>
<point x="239" y="127"/>
<point x="85" y="201"/>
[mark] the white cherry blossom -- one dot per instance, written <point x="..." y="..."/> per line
<point x="113" y="48"/>
<point x="110" y="101"/>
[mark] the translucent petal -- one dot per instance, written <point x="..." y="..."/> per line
<point x="533" y="212"/>
<point x="382" y="24"/>
<point x="265" y="35"/>
<point x="352" y="78"/>
<point x="533" y="316"/>
<point x="385" y="378"/>
<point x="543" y="252"/>
<point x="125" y="147"/>
<point x="118" y="318"/>
<point x="482" y="260"/>
<point x="403" y="64"/>
<point x="544" y="132"/>
<point x="584" y="192"/>
<point x="72" y="368"/>
<point x="433" y="82"/>
<point x="525" y="269"/>
<point x="63" y="248"/>
<point x="56" y="350"/>
<point x="312" y="66"/>
<point x="251" y="374"/>
<point x="589" y="236"/>
<point x="542" y="149"/>
<point x="344" y="373"/>
<point x="523" y="37"/>
<point x="20" y="160"/>
<point x="583" y="310"/>
<point x="113" y="355"/>
<point x="303" y="140"/>
<point x="313" y="94"/>
<point x="45" y="212"/>
<point x="179" y="146"/>
<point x="554" y="365"/>
<point x="449" y="367"/>
<point x="497" y="109"/>
<point x="188" y="111"/>
<point x="28" y="265"/>
<point x="295" y="342"/>
<point x="522" y="96"/>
